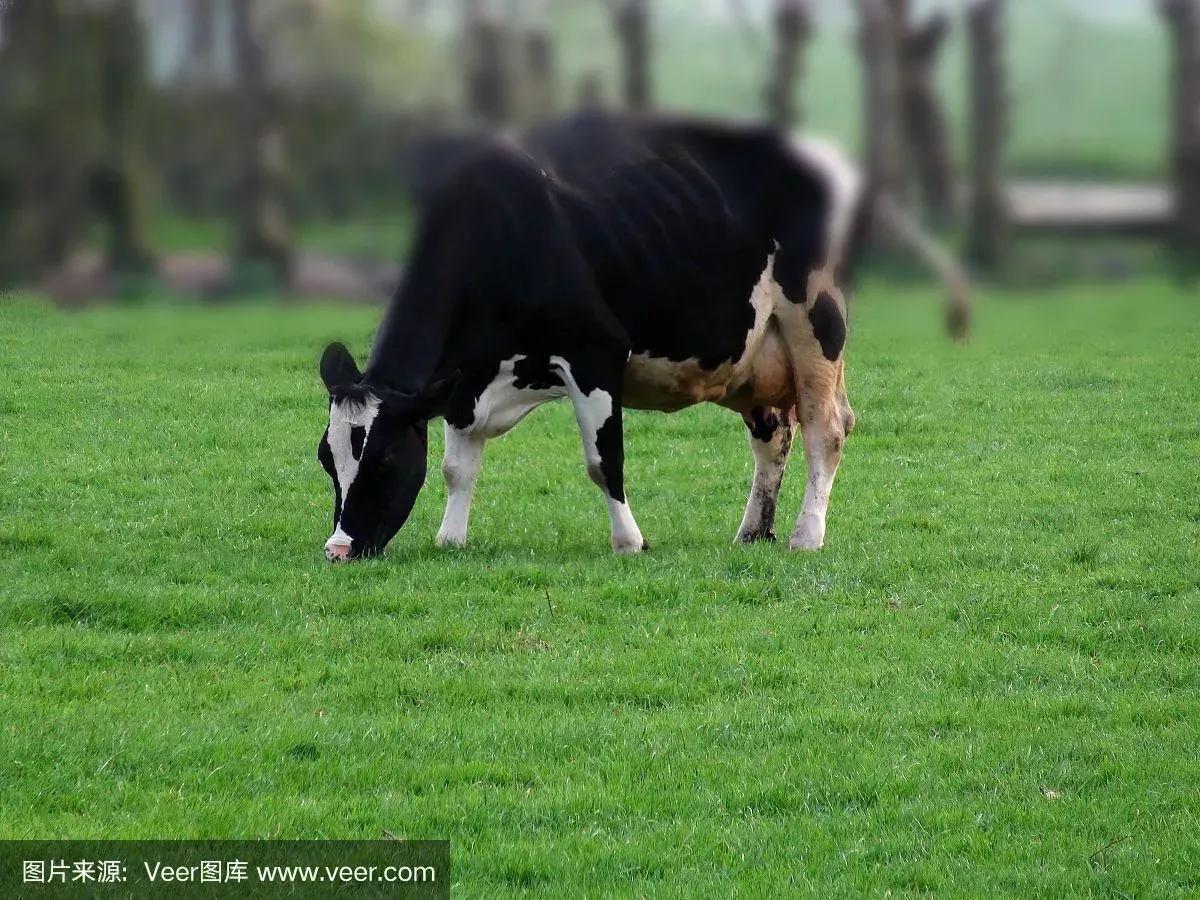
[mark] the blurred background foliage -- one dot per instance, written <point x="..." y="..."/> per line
<point x="220" y="145"/>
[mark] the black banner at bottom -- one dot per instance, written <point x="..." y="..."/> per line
<point x="236" y="869"/>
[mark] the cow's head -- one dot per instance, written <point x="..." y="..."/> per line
<point x="375" y="450"/>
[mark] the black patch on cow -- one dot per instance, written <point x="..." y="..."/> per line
<point x="533" y="373"/>
<point x="610" y="444"/>
<point x="358" y="436"/>
<point x="325" y="456"/>
<point x="768" y="426"/>
<point x="765" y="533"/>
<point x="763" y="424"/>
<point x="828" y="326"/>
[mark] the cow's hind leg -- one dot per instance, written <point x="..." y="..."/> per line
<point x="460" y="466"/>
<point x="815" y="333"/>
<point x="595" y="386"/>
<point x="770" y="432"/>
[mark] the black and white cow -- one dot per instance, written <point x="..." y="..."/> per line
<point x="617" y="263"/>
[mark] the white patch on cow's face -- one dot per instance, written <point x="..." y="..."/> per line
<point x="339" y="538"/>
<point x="344" y="417"/>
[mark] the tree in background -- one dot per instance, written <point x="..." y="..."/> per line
<point x="793" y="28"/>
<point x="73" y="82"/>
<point x="199" y="64"/>
<point x="881" y="106"/>
<point x="631" y="19"/>
<point x="119" y="178"/>
<point x="989" y="115"/>
<point x="1183" y="19"/>
<point x="485" y="68"/>
<point x="925" y="125"/>
<point x="42" y="150"/>
<point x="540" y="72"/>
<point x="262" y="234"/>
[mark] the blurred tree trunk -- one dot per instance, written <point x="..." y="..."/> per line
<point x="632" y="21"/>
<point x="882" y="126"/>
<point x="200" y="57"/>
<point x="989" y="132"/>
<point x="45" y="137"/>
<point x="262" y="234"/>
<point x="925" y="122"/>
<point x="591" y="91"/>
<point x="793" y="27"/>
<point x="485" y="39"/>
<point x="541" y="94"/>
<point x="119" y="179"/>
<point x="1183" y="18"/>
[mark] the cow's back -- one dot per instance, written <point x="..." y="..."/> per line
<point x="673" y="223"/>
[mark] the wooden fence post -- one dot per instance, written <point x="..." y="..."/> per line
<point x="989" y="132"/>
<point x="1183" y="19"/>
<point x="793" y="27"/>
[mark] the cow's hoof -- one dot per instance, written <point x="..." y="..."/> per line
<point x="809" y="534"/>
<point x="756" y="537"/>
<point x="452" y="541"/>
<point x="630" y="548"/>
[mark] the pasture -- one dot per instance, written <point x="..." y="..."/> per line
<point x="986" y="685"/>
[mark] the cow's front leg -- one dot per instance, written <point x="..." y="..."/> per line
<point x="770" y="432"/>
<point x="460" y="466"/>
<point x="595" y="392"/>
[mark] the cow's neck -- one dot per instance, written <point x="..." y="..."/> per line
<point x="413" y="341"/>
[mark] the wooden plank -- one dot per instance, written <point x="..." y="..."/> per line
<point x="1087" y="207"/>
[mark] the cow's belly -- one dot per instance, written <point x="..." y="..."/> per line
<point x="761" y="376"/>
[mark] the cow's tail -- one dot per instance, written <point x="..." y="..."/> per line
<point x="879" y="210"/>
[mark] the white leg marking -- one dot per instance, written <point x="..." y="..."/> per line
<point x="498" y="409"/>
<point x="460" y="466"/>
<point x="626" y="536"/>
<point x="770" y="461"/>
<point x="823" y="440"/>
<point x="591" y="412"/>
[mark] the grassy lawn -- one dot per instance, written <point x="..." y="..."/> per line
<point x="987" y="684"/>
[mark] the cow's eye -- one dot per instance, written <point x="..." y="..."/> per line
<point x="358" y="436"/>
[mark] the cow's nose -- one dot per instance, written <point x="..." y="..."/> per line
<point x="337" y="552"/>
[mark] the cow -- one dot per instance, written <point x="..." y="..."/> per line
<point x="618" y="263"/>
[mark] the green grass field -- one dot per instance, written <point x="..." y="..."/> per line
<point x="986" y="685"/>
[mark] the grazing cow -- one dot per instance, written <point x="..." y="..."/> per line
<point x="618" y="263"/>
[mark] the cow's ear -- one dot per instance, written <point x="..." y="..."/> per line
<point x="338" y="369"/>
